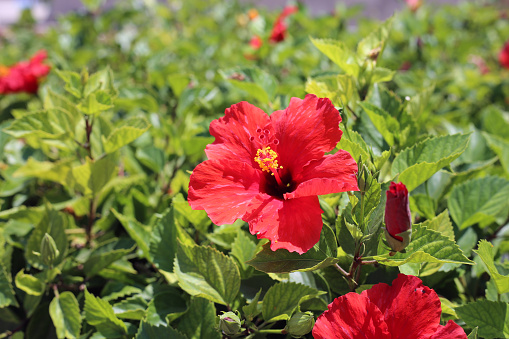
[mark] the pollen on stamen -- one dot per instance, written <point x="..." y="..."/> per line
<point x="266" y="159"/>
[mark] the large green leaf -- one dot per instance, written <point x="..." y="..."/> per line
<point x="163" y="242"/>
<point x="340" y="54"/>
<point x="199" y="322"/>
<point x="127" y="132"/>
<point x="65" y="313"/>
<point x="206" y="272"/>
<point x="478" y="200"/>
<point x="418" y="163"/>
<point x="426" y="246"/>
<point x="147" y="331"/>
<point x="283" y="298"/>
<point x="491" y="317"/>
<point x="485" y="252"/>
<point x="323" y="254"/>
<point x="99" y="314"/>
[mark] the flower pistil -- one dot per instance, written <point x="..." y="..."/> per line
<point x="266" y="159"/>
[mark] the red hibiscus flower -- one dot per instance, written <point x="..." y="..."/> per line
<point x="268" y="171"/>
<point x="405" y="310"/>
<point x="398" y="220"/>
<point x="24" y="76"/>
<point x="503" y="56"/>
<point x="278" y="33"/>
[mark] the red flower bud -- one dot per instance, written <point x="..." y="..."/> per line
<point x="503" y="56"/>
<point x="398" y="220"/>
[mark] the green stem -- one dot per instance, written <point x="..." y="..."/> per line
<point x="280" y="331"/>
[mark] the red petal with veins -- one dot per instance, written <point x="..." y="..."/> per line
<point x="306" y="130"/>
<point x="236" y="133"/>
<point x="216" y="184"/>
<point x="410" y="309"/>
<point x="351" y="316"/>
<point x="450" y="331"/>
<point x="331" y="174"/>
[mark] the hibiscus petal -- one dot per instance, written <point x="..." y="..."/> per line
<point x="450" y="331"/>
<point x="293" y="224"/>
<point x="238" y="133"/>
<point x="306" y="130"/>
<point x="224" y="189"/>
<point x="351" y="316"/>
<point x="411" y="309"/>
<point x="331" y="174"/>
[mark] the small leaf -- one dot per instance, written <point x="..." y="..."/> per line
<point x="65" y="313"/>
<point x="163" y="242"/>
<point x="478" y="200"/>
<point x="340" y="54"/>
<point x="323" y="254"/>
<point x="99" y="314"/>
<point x="485" y="252"/>
<point x="243" y="249"/>
<point x="491" y="317"/>
<point x="7" y="297"/>
<point x="99" y="261"/>
<point x="132" y="308"/>
<point x="254" y="308"/>
<point x="130" y="130"/>
<point x="206" y="272"/>
<point x="283" y="298"/>
<point x="418" y="163"/>
<point x="137" y="231"/>
<point x="386" y="124"/>
<point x="92" y="176"/>
<point x="381" y="74"/>
<point x="95" y="103"/>
<point x="375" y="40"/>
<point x="168" y="304"/>
<point x="29" y="284"/>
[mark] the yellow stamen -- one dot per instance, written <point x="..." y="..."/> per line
<point x="266" y="159"/>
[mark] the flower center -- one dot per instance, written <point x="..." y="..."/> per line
<point x="266" y="159"/>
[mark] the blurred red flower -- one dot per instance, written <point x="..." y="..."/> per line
<point x="24" y="76"/>
<point x="405" y="310"/>
<point x="503" y="56"/>
<point x="256" y="42"/>
<point x="278" y="33"/>
<point x="268" y="171"/>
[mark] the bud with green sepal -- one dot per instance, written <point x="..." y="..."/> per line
<point x="300" y="324"/>
<point x="229" y="323"/>
<point x="49" y="251"/>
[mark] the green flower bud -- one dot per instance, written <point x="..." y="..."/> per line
<point x="229" y="323"/>
<point x="49" y="250"/>
<point x="300" y="324"/>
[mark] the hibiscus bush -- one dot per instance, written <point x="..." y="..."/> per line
<point x="210" y="169"/>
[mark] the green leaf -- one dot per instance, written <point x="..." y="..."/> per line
<point x="387" y="125"/>
<point x="59" y="172"/>
<point x="381" y="74"/>
<point x="99" y="261"/>
<point x="130" y="130"/>
<point x="65" y="313"/>
<point x="163" y="242"/>
<point x="7" y="297"/>
<point x="485" y="252"/>
<point x="206" y="272"/>
<point x="283" y="298"/>
<point x="199" y="322"/>
<point x="352" y="142"/>
<point x="137" y="231"/>
<point x="132" y="308"/>
<point x="29" y="284"/>
<point x="168" y="304"/>
<point x="54" y="100"/>
<point x="256" y="82"/>
<point x="45" y="125"/>
<point x="99" y="314"/>
<point x="243" y="249"/>
<point x="102" y="80"/>
<point x="93" y="5"/>
<point x="148" y="331"/>
<point x="323" y="254"/>
<point x="418" y="163"/>
<point x="254" y="308"/>
<point x="500" y="147"/>
<point x="95" y="103"/>
<point x="478" y="200"/>
<point x="92" y="176"/>
<point x="491" y="317"/>
<point x="198" y="218"/>
<point x="72" y="80"/>
<point x="426" y="246"/>
<point x="474" y="334"/>
<point x="441" y="223"/>
<point x="494" y="122"/>
<point x="340" y="54"/>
